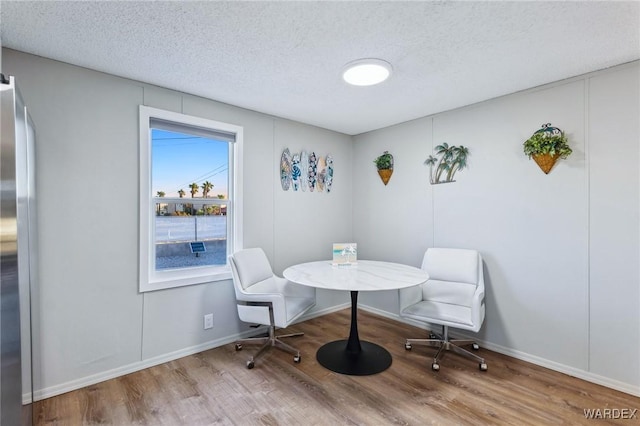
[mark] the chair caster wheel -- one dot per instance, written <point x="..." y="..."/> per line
<point x="435" y="366"/>
<point x="238" y="346"/>
<point x="475" y="346"/>
<point x="407" y="346"/>
<point x="297" y="359"/>
<point x="250" y="365"/>
<point x="483" y="366"/>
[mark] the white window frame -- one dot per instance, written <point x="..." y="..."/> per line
<point x="149" y="278"/>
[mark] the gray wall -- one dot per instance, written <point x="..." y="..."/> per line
<point x="561" y="250"/>
<point x="93" y="324"/>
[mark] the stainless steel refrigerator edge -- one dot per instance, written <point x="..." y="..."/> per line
<point x="18" y="254"/>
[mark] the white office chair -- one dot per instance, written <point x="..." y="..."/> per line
<point x="453" y="296"/>
<point x="264" y="298"/>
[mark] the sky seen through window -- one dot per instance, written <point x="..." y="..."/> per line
<point x="179" y="159"/>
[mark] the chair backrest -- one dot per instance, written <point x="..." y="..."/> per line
<point x="454" y="275"/>
<point x="250" y="266"/>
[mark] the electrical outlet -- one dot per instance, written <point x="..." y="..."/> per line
<point x="208" y="321"/>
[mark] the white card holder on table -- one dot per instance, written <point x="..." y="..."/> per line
<point x="345" y="254"/>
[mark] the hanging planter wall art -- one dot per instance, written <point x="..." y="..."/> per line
<point x="384" y="164"/>
<point x="546" y="146"/>
<point x="447" y="161"/>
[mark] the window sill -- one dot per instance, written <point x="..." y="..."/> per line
<point x="173" y="280"/>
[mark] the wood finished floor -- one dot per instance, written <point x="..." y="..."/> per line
<point x="215" y="388"/>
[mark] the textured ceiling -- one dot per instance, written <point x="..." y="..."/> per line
<point x="285" y="58"/>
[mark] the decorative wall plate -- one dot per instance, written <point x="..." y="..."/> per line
<point x="328" y="180"/>
<point x="296" y="174"/>
<point x="285" y="169"/>
<point x="313" y="164"/>
<point x="322" y="173"/>
<point x="304" y="169"/>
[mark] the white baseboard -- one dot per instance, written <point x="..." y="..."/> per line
<point x="571" y="371"/>
<point x="542" y="362"/>
<point x="137" y="366"/>
<point x="141" y="365"/>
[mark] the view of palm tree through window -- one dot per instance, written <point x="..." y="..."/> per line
<point x="190" y="184"/>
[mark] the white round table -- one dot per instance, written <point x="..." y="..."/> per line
<point x="353" y="356"/>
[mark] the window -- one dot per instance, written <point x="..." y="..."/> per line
<point x="190" y="203"/>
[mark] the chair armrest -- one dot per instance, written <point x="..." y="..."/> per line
<point x="259" y="314"/>
<point x="261" y="297"/>
<point x="477" y="307"/>
<point x="409" y="296"/>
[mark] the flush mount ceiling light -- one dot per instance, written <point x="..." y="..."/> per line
<point x="366" y="72"/>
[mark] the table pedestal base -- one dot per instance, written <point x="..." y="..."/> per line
<point x="371" y="359"/>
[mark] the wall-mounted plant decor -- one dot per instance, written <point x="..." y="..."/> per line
<point x="546" y="145"/>
<point x="452" y="158"/>
<point x="384" y="164"/>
